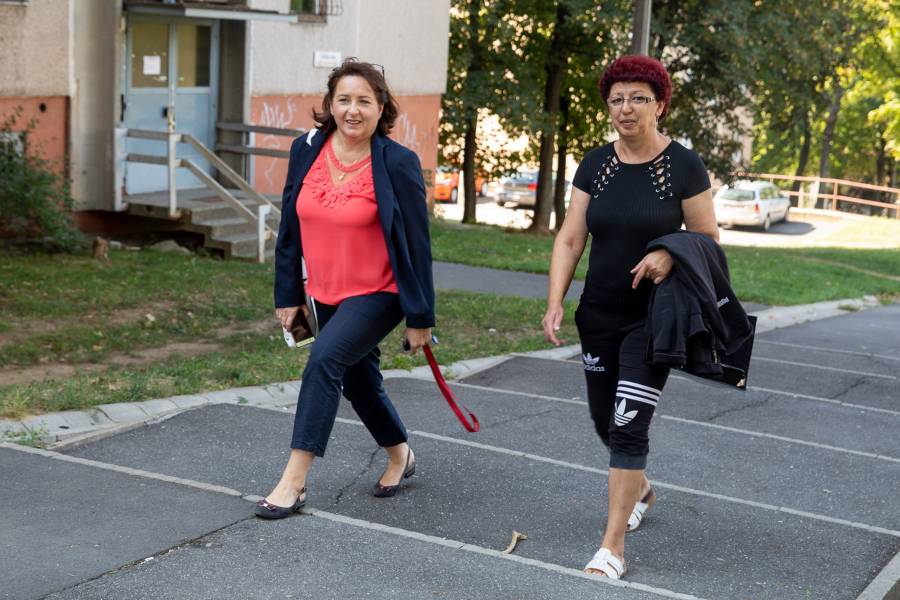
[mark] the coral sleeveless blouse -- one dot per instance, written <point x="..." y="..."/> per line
<point x="342" y="238"/>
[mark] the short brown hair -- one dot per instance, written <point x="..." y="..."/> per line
<point x="375" y="78"/>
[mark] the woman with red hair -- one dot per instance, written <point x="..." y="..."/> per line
<point x="626" y="193"/>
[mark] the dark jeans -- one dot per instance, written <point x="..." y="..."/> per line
<point x="623" y="389"/>
<point x="345" y="354"/>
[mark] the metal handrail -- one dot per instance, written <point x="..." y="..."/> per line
<point x="264" y="205"/>
<point x="245" y="149"/>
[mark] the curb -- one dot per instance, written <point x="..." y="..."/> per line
<point x="70" y="427"/>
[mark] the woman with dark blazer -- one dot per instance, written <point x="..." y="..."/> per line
<point x="354" y="209"/>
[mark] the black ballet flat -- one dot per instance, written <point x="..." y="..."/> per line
<point x="386" y="491"/>
<point x="266" y="510"/>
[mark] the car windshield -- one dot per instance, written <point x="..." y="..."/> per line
<point x="739" y="195"/>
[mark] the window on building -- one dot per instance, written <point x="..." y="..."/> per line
<point x="11" y="142"/>
<point x="308" y="7"/>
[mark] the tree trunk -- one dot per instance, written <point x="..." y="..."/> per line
<point x="562" y="148"/>
<point x="824" y="159"/>
<point x="556" y="68"/>
<point x="468" y="168"/>
<point x="470" y="199"/>
<point x="804" y="153"/>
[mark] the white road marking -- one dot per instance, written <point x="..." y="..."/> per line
<point x="370" y="525"/>
<point x="824" y="349"/>
<point x="701" y="424"/>
<point x="660" y="484"/>
<point x="826" y="368"/>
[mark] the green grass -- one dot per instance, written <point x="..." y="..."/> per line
<point x="218" y="295"/>
<point x="875" y="231"/>
<point x="775" y="276"/>
<point x="488" y="246"/>
<point x="77" y="311"/>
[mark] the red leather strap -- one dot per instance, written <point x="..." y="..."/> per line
<point x="474" y="426"/>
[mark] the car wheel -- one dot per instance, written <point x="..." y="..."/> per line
<point x="787" y="213"/>
<point x="454" y="195"/>
<point x="767" y="224"/>
<point x="483" y="191"/>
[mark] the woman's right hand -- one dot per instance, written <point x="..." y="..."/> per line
<point x="287" y="314"/>
<point x="551" y="323"/>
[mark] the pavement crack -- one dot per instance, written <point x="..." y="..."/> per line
<point x="735" y="409"/>
<point x="340" y="494"/>
<point x="850" y="388"/>
<point x="521" y="417"/>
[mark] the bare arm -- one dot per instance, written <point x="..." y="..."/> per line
<point x="567" y="250"/>
<point x="699" y="215"/>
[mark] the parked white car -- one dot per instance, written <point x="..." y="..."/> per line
<point x="755" y="203"/>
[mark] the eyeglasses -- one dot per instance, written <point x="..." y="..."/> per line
<point x="619" y="102"/>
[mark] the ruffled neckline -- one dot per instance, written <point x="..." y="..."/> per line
<point x="330" y="195"/>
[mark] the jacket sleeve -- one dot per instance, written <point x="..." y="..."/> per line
<point x="406" y="175"/>
<point x="288" y="251"/>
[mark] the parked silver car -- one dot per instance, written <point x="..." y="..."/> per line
<point x="755" y="203"/>
<point x="520" y="190"/>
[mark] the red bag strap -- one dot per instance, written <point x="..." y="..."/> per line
<point x="474" y="426"/>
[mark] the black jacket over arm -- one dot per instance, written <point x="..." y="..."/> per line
<point x="694" y="320"/>
<point x="402" y="210"/>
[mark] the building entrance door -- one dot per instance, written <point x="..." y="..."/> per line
<point x="169" y="63"/>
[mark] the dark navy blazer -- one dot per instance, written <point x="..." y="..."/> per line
<point x="402" y="210"/>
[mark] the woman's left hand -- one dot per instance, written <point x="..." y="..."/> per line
<point x="656" y="266"/>
<point x="417" y="338"/>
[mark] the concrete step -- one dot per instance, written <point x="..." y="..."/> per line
<point x="222" y="228"/>
<point x="239" y="245"/>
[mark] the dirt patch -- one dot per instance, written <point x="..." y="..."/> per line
<point x="147" y="356"/>
<point x="24" y="329"/>
<point x="26" y="375"/>
<point x="851" y="267"/>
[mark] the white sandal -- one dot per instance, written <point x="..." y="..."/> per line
<point x="640" y="507"/>
<point x="607" y="563"/>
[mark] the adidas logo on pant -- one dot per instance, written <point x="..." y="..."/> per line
<point x="636" y="392"/>
<point x="590" y="363"/>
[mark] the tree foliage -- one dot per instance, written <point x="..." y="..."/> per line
<point x="815" y="83"/>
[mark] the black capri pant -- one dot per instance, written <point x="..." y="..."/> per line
<point x="623" y="389"/>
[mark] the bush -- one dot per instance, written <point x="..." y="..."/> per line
<point x="35" y="202"/>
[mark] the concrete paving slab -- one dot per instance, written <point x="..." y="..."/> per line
<point x="310" y="557"/>
<point x="875" y="331"/>
<point x="833" y="358"/>
<point x="694" y="398"/>
<point x="64" y="523"/>
<point x="853" y="388"/>
<point x="838" y="485"/>
<point x="188" y="401"/>
<point x="158" y="407"/>
<point x="690" y="398"/>
<point x="123" y="412"/>
<point x="479" y="497"/>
